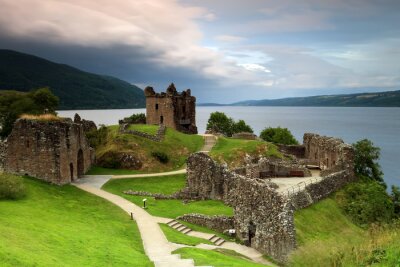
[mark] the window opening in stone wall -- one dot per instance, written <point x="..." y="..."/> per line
<point x="156" y="106"/>
<point x="161" y="119"/>
<point x="27" y="143"/>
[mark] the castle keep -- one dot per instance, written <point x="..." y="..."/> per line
<point x="55" y="151"/>
<point x="172" y="109"/>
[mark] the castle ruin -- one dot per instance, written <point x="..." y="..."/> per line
<point x="55" y="151"/>
<point x="172" y="109"/>
<point x="263" y="214"/>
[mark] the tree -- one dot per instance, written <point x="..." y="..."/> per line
<point x="395" y="195"/>
<point x="220" y="123"/>
<point x="366" y="156"/>
<point x="13" y="104"/>
<point x="278" y="136"/>
<point x="241" y="126"/>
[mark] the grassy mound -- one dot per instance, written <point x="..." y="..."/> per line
<point x="176" y="146"/>
<point x="165" y="185"/>
<point x="177" y="237"/>
<point x="216" y="258"/>
<point x="64" y="226"/>
<point x="233" y="151"/>
<point x="326" y="237"/>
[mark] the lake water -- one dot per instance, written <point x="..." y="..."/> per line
<point x="380" y="125"/>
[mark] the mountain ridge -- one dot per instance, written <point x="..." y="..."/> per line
<point x="76" y="89"/>
<point x="374" y="99"/>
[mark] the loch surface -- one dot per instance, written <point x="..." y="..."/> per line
<point x="380" y="125"/>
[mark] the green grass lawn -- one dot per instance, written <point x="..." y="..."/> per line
<point x="232" y="151"/>
<point x="175" y="236"/>
<point x="146" y="128"/>
<point x="165" y="185"/>
<point x="177" y="146"/>
<point x="65" y="226"/>
<point x="216" y="258"/>
<point x="326" y="237"/>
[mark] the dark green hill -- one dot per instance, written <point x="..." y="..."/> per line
<point x="75" y="88"/>
<point x="381" y="99"/>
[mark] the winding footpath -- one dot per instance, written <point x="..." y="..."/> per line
<point x="156" y="246"/>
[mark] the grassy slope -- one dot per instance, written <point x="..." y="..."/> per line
<point x="232" y="151"/>
<point x="166" y="185"/>
<point x="146" y="128"/>
<point x="326" y="237"/>
<point x="175" y="236"/>
<point x="176" y="145"/>
<point x="215" y="258"/>
<point x="64" y="226"/>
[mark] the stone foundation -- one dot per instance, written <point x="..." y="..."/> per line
<point x="270" y="167"/>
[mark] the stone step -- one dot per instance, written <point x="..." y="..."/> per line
<point x="186" y="231"/>
<point x="176" y="226"/>
<point x="219" y="242"/>
<point x="181" y="228"/>
<point x="213" y="238"/>
<point x="172" y="223"/>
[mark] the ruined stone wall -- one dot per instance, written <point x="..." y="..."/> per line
<point x="158" y="137"/>
<point x="263" y="218"/>
<point x="3" y="147"/>
<point x="315" y="192"/>
<point x="54" y="151"/>
<point x="298" y="151"/>
<point x="245" y="135"/>
<point x="217" y="223"/>
<point x="269" y="167"/>
<point x="328" y="152"/>
<point x="87" y="125"/>
<point x="173" y="109"/>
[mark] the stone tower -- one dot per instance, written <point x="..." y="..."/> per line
<point x="173" y="109"/>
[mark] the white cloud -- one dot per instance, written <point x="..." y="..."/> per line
<point x="254" y="67"/>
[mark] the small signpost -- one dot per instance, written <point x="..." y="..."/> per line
<point x="144" y="203"/>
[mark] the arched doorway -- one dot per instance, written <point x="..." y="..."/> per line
<point x="71" y="171"/>
<point x="81" y="162"/>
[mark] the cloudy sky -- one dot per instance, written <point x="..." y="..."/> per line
<point x="225" y="51"/>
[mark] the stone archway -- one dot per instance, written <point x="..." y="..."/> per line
<point x="80" y="164"/>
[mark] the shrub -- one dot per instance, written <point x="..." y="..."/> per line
<point x="220" y="123"/>
<point x="278" y="136"/>
<point x="139" y="118"/>
<point x="97" y="137"/>
<point x="11" y="187"/>
<point x="241" y="126"/>
<point x="366" y="202"/>
<point x="160" y="156"/>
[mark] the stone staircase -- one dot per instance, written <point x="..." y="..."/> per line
<point x="179" y="227"/>
<point x="216" y="240"/>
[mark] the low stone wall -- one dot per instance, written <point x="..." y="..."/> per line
<point x="245" y="135"/>
<point x="314" y="192"/>
<point x="157" y="138"/>
<point x="217" y="223"/>
<point x="268" y="168"/>
<point x="298" y="151"/>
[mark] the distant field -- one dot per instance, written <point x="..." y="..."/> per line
<point x="64" y="226"/>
